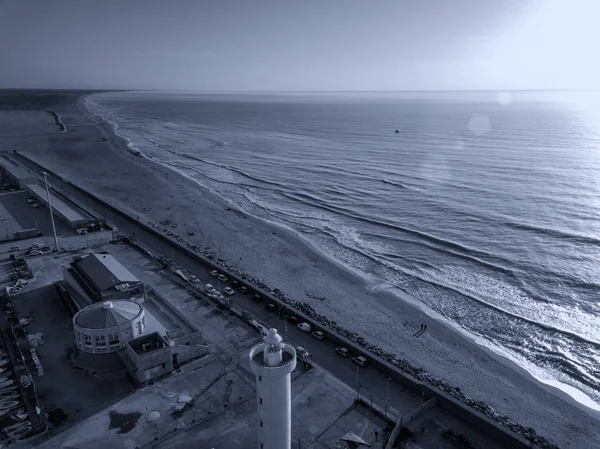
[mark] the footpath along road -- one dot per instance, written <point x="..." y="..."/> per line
<point x="371" y="381"/>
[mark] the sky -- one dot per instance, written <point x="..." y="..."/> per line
<point x="263" y="45"/>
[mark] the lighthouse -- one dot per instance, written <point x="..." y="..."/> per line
<point x="272" y="361"/>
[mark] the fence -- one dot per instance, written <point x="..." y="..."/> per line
<point x="406" y="419"/>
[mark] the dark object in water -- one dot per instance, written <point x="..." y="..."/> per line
<point x="397" y="132"/>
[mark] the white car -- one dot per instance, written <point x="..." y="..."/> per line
<point x="228" y="291"/>
<point x="209" y="288"/>
<point x="35" y="252"/>
<point x="14" y="248"/>
<point x="223" y="278"/>
<point x="194" y="279"/>
<point x="214" y="273"/>
<point x="305" y="327"/>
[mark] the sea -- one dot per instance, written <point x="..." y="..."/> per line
<point x="485" y="206"/>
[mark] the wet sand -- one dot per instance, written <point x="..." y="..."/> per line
<point x="89" y="154"/>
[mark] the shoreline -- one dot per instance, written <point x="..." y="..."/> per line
<point x="377" y="286"/>
<point x="367" y="280"/>
<point x="161" y="194"/>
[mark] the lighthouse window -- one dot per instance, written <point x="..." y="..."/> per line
<point x="261" y="424"/>
<point x="261" y="446"/>
<point x="260" y="378"/>
<point x="260" y="401"/>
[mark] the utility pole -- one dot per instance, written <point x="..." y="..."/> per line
<point x="387" y="384"/>
<point x="51" y="213"/>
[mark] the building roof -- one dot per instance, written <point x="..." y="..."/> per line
<point x="108" y="314"/>
<point x="57" y="204"/>
<point x="105" y="271"/>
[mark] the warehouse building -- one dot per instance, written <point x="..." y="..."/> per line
<point x="63" y="211"/>
<point x="18" y="176"/>
<point x="100" y="277"/>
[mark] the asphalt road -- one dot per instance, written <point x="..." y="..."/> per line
<point x="371" y="381"/>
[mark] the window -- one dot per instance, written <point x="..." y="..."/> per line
<point x="100" y="340"/>
<point x="260" y="401"/>
<point x="260" y="378"/>
<point x="261" y="446"/>
<point x="113" y="338"/>
<point x="87" y="338"/>
<point x="260" y="423"/>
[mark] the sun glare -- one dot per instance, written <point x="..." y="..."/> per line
<point x="552" y="46"/>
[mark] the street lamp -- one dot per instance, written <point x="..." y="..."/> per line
<point x="387" y="384"/>
<point x="51" y="213"/>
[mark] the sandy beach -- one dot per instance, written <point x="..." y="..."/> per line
<point x="90" y="155"/>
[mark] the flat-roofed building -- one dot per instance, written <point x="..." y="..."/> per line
<point x="100" y="277"/>
<point x="63" y="211"/>
<point x="18" y="175"/>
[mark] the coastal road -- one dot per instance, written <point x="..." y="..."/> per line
<point x="323" y="353"/>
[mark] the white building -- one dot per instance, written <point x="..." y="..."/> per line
<point x="106" y="327"/>
<point x="273" y="362"/>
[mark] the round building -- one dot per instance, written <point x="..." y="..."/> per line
<point x="106" y="326"/>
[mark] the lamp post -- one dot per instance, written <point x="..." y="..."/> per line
<point x="51" y="213"/>
<point x="387" y="384"/>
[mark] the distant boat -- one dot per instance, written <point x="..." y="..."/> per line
<point x="397" y="132"/>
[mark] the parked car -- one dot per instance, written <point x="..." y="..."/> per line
<point x="14" y="248"/>
<point x="35" y="252"/>
<point x="30" y="200"/>
<point x="194" y="279"/>
<point x="342" y="351"/>
<point x="229" y="291"/>
<point x="223" y="278"/>
<point x="302" y="353"/>
<point x="360" y="360"/>
<point x="36" y="246"/>
<point x="271" y="307"/>
<point x="244" y="289"/>
<point x="318" y="335"/>
<point x="35" y="206"/>
<point x="257" y="298"/>
<point x="209" y="288"/>
<point x="214" y="273"/>
<point x="305" y="327"/>
<point x="292" y="319"/>
<point x="234" y="283"/>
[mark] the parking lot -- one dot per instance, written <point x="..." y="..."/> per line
<point x="26" y="216"/>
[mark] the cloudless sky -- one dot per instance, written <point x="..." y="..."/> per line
<point x="232" y="45"/>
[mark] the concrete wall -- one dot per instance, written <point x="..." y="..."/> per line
<point x="189" y="347"/>
<point x="150" y="365"/>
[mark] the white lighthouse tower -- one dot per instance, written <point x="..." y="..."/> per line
<point x="273" y="361"/>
